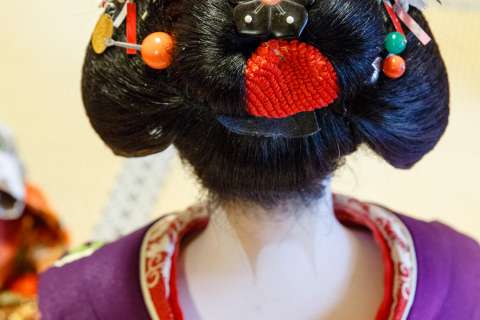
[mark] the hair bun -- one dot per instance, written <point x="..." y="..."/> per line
<point x="139" y="111"/>
<point x="403" y="119"/>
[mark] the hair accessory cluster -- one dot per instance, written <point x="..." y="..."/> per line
<point x="394" y="66"/>
<point x="156" y="49"/>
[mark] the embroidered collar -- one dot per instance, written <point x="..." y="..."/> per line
<point x="161" y="245"/>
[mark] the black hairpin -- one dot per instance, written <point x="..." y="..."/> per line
<point x="280" y="18"/>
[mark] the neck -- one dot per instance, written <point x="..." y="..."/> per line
<point x="257" y="259"/>
<point x="291" y="229"/>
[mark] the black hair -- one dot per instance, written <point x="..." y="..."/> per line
<point x="139" y="111"/>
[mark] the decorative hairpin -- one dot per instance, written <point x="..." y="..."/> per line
<point x="156" y="49"/>
<point x="281" y="18"/>
<point x="394" y="66"/>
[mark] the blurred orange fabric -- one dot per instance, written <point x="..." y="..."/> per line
<point x="30" y="244"/>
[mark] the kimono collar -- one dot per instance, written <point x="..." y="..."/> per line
<point x="161" y="246"/>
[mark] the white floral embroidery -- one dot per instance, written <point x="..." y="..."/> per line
<point x="158" y="249"/>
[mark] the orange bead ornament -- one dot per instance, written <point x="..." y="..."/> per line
<point x="157" y="50"/>
<point x="394" y="66"/>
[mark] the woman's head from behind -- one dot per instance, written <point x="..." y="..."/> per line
<point x="139" y="111"/>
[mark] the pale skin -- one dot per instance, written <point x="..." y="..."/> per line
<point x="294" y="261"/>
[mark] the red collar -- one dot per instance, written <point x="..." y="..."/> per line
<point x="161" y="246"/>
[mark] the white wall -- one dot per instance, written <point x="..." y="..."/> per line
<point x="42" y="46"/>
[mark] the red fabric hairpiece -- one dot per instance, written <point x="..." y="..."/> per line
<point x="284" y="78"/>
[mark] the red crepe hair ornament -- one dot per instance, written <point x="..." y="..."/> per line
<point x="284" y="78"/>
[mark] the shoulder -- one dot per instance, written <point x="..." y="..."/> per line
<point x="81" y="284"/>
<point x="431" y="238"/>
<point x="435" y="240"/>
<point x="447" y="284"/>
<point x="448" y="261"/>
<point x="104" y="282"/>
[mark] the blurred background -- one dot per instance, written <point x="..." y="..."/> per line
<point x="42" y="48"/>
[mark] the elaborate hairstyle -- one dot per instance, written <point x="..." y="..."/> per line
<point x="138" y="111"/>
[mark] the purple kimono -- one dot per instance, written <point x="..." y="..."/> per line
<point x="434" y="271"/>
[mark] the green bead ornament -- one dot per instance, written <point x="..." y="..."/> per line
<point x="395" y="43"/>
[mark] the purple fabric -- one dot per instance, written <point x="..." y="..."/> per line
<point x="106" y="285"/>
<point x="448" y="285"/>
